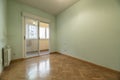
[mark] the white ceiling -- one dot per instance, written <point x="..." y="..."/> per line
<point x="53" y="7"/>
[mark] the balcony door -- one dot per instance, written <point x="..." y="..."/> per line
<point x="36" y="37"/>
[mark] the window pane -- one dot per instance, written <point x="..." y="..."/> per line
<point x="31" y="32"/>
<point x="42" y="33"/>
<point x="47" y="33"/>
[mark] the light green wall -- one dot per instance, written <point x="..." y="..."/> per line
<point x="90" y="30"/>
<point x="15" y="26"/>
<point x="3" y="25"/>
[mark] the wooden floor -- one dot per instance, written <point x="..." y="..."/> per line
<point x="55" y="67"/>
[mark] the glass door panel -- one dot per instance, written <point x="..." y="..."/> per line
<point x="44" y="38"/>
<point x="31" y="37"/>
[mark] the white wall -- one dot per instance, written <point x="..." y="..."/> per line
<point x="3" y="28"/>
<point x="90" y="30"/>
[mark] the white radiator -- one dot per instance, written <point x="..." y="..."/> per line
<point x="7" y="56"/>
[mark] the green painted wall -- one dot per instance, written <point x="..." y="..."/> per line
<point x="3" y="30"/>
<point x="90" y="30"/>
<point x="15" y="26"/>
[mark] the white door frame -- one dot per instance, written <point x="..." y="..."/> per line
<point x="39" y="19"/>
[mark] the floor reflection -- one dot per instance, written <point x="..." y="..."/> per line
<point x="40" y="69"/>
<point x="44" y="66"/>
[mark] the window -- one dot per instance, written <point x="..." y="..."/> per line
<point x="44" y="33"/>
<point x="31" y="31"/>
<point x="47" y="33"/>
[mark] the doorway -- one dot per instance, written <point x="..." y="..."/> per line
<point x="36" y="37"/>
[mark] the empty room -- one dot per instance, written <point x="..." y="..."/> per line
<point x="59" y="39"/>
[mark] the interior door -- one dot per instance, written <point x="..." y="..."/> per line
<point x="31" y="37"/>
